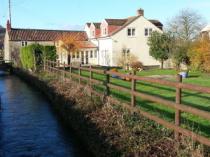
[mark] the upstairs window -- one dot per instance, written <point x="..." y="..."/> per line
<point x="93" y="33"/>
<point x="131" y="32"/>
<point x="105" y="31"/>
<point x="148" y="31"/>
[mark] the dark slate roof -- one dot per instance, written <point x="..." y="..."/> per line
<point x="88" y="24"/>
<point x="116" y="22"/>
<point x="44" y="35"/>
<point x="97" y="25"/>
<point x="156" y="23"/>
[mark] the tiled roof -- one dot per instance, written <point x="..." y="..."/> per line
<point x="86" y="44"/>
<point x="116" y="22"/>
<point x="120" y="24"/>
<point x="44" y="35"/>
<point x="157" y="23"/>
<point x="116" y="25"/>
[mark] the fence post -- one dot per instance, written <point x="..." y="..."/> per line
<point x="178" y="101"/>
<point x="47" y="66"/>
<point x="79" y="74"/>
<point x="44" y="64"/>
<point x="64" y="68"/>
<point x="133" y="88"/>
<point x="106" y="82"/>
<point x="90" y="83"/>
<point x="70" y="70"/>
<point x="57" y="72"/>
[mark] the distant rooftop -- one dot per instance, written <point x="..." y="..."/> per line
<point x="17" y="34"/>
<point x="206" y="29"/>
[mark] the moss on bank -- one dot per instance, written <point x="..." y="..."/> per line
<point x="107" y="129"/>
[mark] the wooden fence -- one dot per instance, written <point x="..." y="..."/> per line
<point x="60" y="69"/>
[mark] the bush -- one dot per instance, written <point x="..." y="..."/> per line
<point x="137" y="65"/>
<point x="200" y="55"/>
<point x="27" y="57"/>
<point x="32" y="56"/>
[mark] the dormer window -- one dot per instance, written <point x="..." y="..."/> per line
<point x="93" y="33"/>
<point x="104" y="31"/>
<point x="131" y="32"/>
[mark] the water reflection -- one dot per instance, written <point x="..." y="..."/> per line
<point x="28" y="126"/>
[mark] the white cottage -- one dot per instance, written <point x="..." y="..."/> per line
<point x="130" y="35"/>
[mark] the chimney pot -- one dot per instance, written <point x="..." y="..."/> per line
<point x="140" y="12"/>
<point x="8" y="26"/>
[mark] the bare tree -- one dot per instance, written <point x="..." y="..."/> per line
<point x="126" y="58"/>
<point x="186" y="26"/>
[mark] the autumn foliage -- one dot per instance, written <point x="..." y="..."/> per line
<point x="200" y="54"/>
<point x="69" y="43"/>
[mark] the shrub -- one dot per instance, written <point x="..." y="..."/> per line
<point x="27" y="57"/>
<point x="114" y="70"/>
<point x="32" y="56"/>
<point x="137" y="65"/>
<point x="200" y="55"/>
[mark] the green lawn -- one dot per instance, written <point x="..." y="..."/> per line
<point x="194" y="99"/>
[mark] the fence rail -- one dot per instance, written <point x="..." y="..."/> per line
<point x="57" y="67"/>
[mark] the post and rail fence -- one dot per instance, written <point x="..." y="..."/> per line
<point x="60" y="68"/>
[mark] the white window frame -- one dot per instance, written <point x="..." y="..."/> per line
<point x="132" y="32"/>
<point x="95" y="53"/>
<point x="104" y="31"/>
<point x="93" y="33"/>
<point x="24" y="43"/>
<point x="149" y="32"/>
<point x="91" y="54"/>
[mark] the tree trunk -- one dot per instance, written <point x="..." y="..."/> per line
<point x="161" y="64"/>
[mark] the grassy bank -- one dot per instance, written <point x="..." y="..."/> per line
<point x="110" y="128"/>
<point x="194" y="99"/>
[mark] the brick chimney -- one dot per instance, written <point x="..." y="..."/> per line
<point x="8" y="26"/>
<point x="140" y="12"/>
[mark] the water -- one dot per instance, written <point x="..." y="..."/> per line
<point x="28" y="126"/>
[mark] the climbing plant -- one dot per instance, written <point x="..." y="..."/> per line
<point x="32" y="56"/>
<point x="27" y="57"/>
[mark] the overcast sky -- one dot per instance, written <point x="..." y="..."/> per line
<point x="73" y="14"/>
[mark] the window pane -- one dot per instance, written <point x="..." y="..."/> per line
<point x="95" y="54"/>
<point x="146" y="32"/>
<point x="129" y="32"/>
<point x="73" y="55"/>
<point x="91" y="54"/>
<point x="150" y="31"/>
<point x="77" y="54"/>
<point x="133" y="32"/>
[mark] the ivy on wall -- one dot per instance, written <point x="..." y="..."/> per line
<point x="32" y="56"/>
